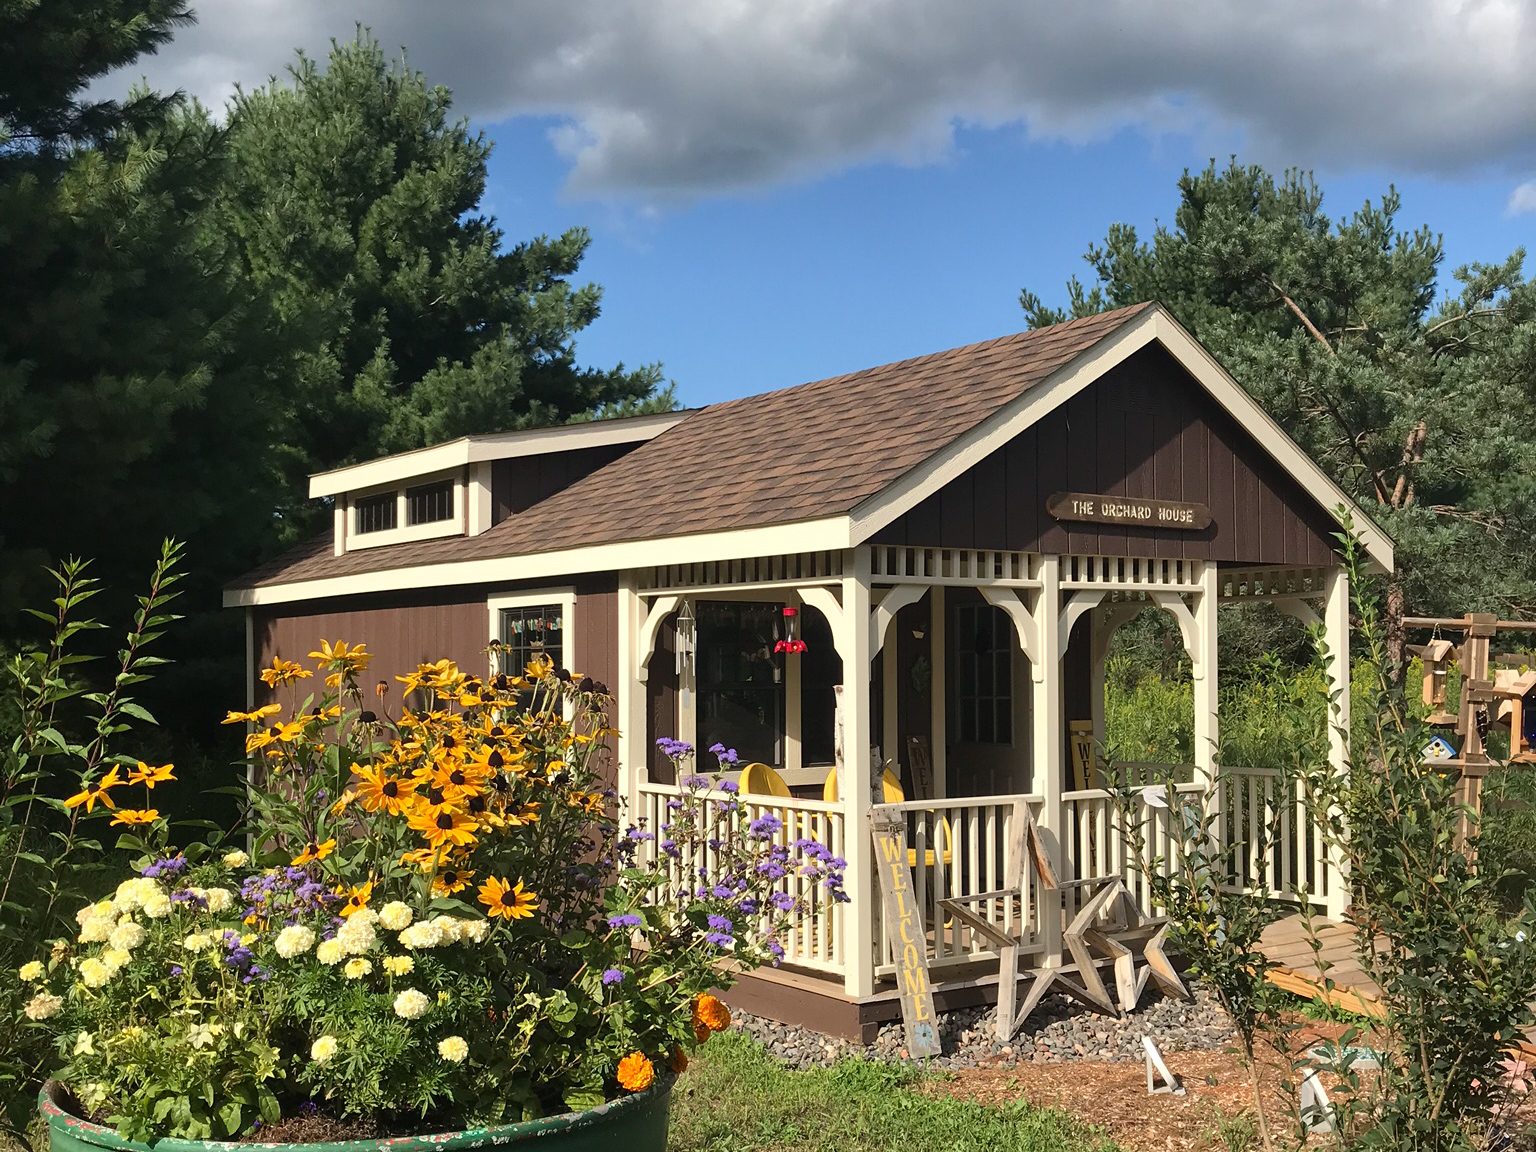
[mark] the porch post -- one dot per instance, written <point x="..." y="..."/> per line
<point x="1048" y="741"/>
<point x="1207" y="750"/>
<point x="938" y="690"/>
<point x="1336" y="634"/>
<point x="854" y="776"/>
<point x="630" y="696"/>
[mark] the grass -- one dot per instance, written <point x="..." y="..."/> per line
<point x="737" y="1098"/>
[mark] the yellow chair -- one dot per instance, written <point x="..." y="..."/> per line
<point x="891" y="788"/>
<point x="762" y="780"/>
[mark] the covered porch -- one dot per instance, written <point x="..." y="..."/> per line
<point x="974" y="678"/>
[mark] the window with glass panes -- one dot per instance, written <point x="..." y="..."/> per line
<point x="740" y="683"/>
<point x="531" y="631"/>
<point x="376" y="513"/>
<point x="429" y="503"/>
<point x="983" y="644"/>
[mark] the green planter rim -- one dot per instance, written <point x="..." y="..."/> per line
<point x="50" y="1102"/>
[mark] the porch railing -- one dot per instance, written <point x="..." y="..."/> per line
<point x="1094" y="842"/>
<point x="817" y="939"/>
<point x="958" y="847"/>
<point x="1282" y="849"/>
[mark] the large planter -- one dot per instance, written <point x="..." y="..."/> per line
<point x="635" y="1123"/>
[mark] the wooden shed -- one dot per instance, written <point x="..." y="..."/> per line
<point x="954" y="538"/>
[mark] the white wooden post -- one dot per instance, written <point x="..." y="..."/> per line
<point x="1336" y="633"/>
<point x="938" y="689"/>
<point x="854" y="776"/>
<point x="1207" y="750"/>
<point x="1098" y="649"/>
<point x="630" y="696"/>
<point x="1048" y="743"/>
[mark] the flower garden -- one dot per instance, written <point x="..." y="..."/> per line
<point x="429" y="920"/>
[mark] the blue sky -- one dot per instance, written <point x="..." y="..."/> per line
<point x="748" y="291"/>
<point x="783" y="191"/>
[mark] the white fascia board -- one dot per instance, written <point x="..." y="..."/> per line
<point x="1155" y="324"/>
<point x="824" y="535"/>
<point x="403" y="466"/>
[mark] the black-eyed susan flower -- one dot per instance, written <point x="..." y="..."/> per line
<point x="100" y="791"/>
<point x="377" y="790"/>
<point x="444" y="826"/>
<point x="281" y="672"/>
<point x="357" y="898"/>
<point x="150" y="776"/>
<point x="451" y="881"/>
<point x="314" y="852"/>
<point x="132" y="817"/>
<point x="256" y="716"/>
<point x="509" y="901"/>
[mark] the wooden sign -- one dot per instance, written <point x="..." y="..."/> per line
<point x="909" y="942"/>
<point x="1096" y="508"/>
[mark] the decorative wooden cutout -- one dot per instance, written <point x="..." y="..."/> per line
<point x="1160" y="1081"/>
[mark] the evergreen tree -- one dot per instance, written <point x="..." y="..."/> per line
<point x="1425" y="413"/>
<point x="355" y="203"/>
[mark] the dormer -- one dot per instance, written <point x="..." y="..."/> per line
<point x="464" y="486"/>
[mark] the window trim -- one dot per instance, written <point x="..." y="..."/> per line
<point x="565" y="597"/>
<point x="403" y="531"/>
<point x="430" y="486"/>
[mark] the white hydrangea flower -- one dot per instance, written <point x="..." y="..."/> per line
<point x="93" y="973"/>
<point x="330" y="952"/>
<point x="399" y="965"/>
<point x="453" y="1049"/>
<point x="236" y="859"/>
<point x="127" y="936"/>
<point x="357" y="968"/>
<point x="422" y="934"/>
<point x="294" y="940"/>
<point x="411" y="1004"/>
<point x="31" y="971"/>
<point x="323" y="1049"/>
<point x="43" y="1005"/>
<point x="396" y="915"/>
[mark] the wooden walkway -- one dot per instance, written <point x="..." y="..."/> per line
<point x="1305" y="970"/>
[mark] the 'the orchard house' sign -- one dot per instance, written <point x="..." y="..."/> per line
<point x="1096" y="508"/>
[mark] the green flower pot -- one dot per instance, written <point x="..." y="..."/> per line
<point x="635" y="1123"/>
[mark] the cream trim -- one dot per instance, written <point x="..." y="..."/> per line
<point x="533" y="598"/>
<point x="1155" y="324"/>
<point x="829" y="533"/>
<point x="466" y="450"/>
<point x="404" y="532"/>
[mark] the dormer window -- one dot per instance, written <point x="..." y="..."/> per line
<point x="378" y="513"/>
<point x="428" y="503"/>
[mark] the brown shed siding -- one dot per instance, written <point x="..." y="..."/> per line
<point x="1146" y="429"/>
<point x="519" y="484"/>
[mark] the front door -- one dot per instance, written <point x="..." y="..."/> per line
<point x="988" y="711"/>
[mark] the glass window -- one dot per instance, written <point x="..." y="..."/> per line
<point x="376" y="513"/>
<point x="983" y="675"/>
<point x="429" y="503"/>
<point x="740" y="683"/>
<point x="528" y="632"/>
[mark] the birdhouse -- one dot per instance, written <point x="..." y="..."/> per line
<point x="1436" y="656"/>
<point x="1515" y="692"/>
<point x="1439" y="750"/>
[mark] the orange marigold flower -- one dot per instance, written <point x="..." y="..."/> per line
<point x="711" y="1012"/>
<point x="701" y="1031"/>
<point x="636" y="1072"/>
<point x="134" y="816"/>
<point x="506" y="900"/>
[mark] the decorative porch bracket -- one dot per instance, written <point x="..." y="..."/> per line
<point x="1009" y="600"/>
<point x="823" y="600"/>
<point x="1173" y="603"/>
<point x="1076" y="606"/>
<point x="895" y="599"/>
<point x="661" y="608"/>
<point x="1298" y="609"/>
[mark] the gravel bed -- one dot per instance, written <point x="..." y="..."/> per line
<point x="1060" y="1029"/>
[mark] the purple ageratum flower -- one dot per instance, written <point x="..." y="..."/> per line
<point x="719" y="940"/>
<point x="729" y="786"/>
<point x="612" y="976"/>
<point x="164" y="866"/>
<point x="720" y="923"/>
<point x="624" y="920"/>
<point x="776" y="950"/>
<point x="674" y="749"/>
<point x="176" y="969"/>
<point x="782" y="901"/>
<point x="639" y="835"/>
<point x="764" y="827"/>
<point x="726" y="756"/>
<point x="696" y="782"/>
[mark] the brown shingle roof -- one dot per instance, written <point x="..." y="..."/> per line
<point x="801" y="453"/>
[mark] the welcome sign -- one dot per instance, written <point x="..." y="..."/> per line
<point x="1140" y="512"/>
<point x="910" y="945"/>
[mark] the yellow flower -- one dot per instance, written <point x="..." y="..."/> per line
<point x="31" y="971"/>
<point x="313" y="852"/>
<point x="396" y="915"/>
<point x="343" y="802"/>
<point x="323" y="1049"/>
<point x="636" y="1072"/>
<point x="282" y="672"/>
<point x="453" y="1049"/>
<point x="236" y="859"/>
<point x="330" y="952"/>
<point x="399" y="965"/>
<point x="357" y="897"/>
<point x="90" y="794"/>
<point x="149" y="777"/>
<point x="444" y="826"/>
<point x="254" y="717"/>
<point x="508" y="901"/>
<point x="286" y="733"/>
<point x="379" y="791"/>
<point x="357" y="968"/>
<point x="135" y="816"/>
<point x="451" y="881"/>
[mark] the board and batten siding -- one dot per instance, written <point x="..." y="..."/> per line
<point x="522" y="482"/>
<point x="1146" y="429"/>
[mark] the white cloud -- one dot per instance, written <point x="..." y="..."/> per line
<point x="683" y="97"/>
<point x="1522" y="199"/>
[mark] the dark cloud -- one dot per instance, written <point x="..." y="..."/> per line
<point x="659" y="98"/>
